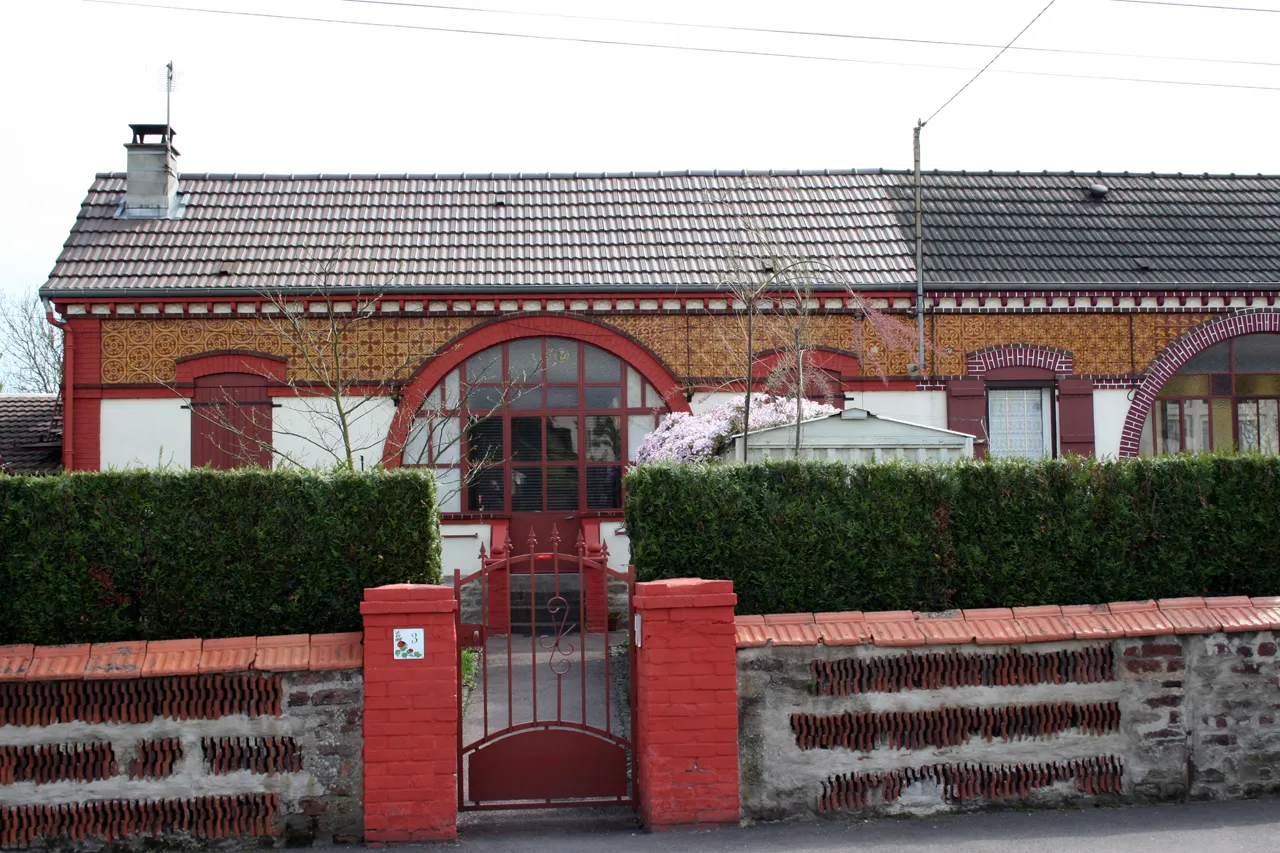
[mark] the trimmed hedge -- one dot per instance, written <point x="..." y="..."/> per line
<point x="811" y="536"/>
<point x="99" y="557"/>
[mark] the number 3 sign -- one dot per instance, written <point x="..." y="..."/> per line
<point x="407" y="643"/>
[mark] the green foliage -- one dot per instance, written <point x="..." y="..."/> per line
<point x="98" y="557"/>
<point x="811" y="536"/>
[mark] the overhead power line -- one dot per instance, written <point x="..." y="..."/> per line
<point x="808" y="33"/>
<point x="674" y="47"/>
<point x="1200" y="6"/>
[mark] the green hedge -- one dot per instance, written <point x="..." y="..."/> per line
<point x="808" y="536"/>
<point x="99" y="557"/>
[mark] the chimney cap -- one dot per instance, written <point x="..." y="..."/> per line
<point x="142" y="131"/>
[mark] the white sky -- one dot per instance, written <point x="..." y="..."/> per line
<point x="267" y="95"/>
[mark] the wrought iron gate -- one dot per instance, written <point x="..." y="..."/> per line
<point x="544" y="724"/>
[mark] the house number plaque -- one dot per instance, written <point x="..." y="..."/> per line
<point x="407" y="643"/>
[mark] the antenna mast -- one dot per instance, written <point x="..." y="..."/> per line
<point x="919" y="252"/>
<point x="168" y="123"/>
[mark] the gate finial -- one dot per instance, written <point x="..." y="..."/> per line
<point x="555" y="538"/>
<point x="506" y="544"/>
<point x="581" y="544"/>
<point x="533" y="541"/>
<point x="483" y="556"/>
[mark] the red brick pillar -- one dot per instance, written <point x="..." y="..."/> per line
<point x="410" y="716"/>
<point x="686" y="704"/>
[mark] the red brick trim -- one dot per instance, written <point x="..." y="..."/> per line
<point x="190" y="367"/>
<point x="1060" y="361"/>
<point x="503" y="329"/>
<point x="1178" y="353"/>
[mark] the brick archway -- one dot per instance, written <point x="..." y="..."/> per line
<point x="1178" y="353"/>
<point x="504" y="329"/>
<point x="979" y="362"/>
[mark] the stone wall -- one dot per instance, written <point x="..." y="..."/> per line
<point x="186" y="741"/>
<point x="922" y="713"/>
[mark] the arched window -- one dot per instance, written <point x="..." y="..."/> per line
<point x="1226" y="397"/>
<point x="534" y="425"/>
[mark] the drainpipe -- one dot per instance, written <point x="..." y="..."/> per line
<point x="68" y="399"/>
<point x="919" y="254"/>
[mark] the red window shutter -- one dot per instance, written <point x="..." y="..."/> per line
<point x="230" y="421"/>
<point x="1075" y="415"/>
<point x="967" y="411"/>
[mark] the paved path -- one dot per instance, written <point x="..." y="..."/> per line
<point x="1246" y="826"/>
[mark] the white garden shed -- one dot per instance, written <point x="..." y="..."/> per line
<point x="855" y="435"/>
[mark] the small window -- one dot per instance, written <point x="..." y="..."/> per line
<point x="1020" y="422"/>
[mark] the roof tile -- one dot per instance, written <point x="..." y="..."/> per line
<point x="51" y="663"/>
<point x="14" y="661"/>
<point x="116" y="660"/>
<point x="890" y="633"/>
<point x="337" y="651"/>
<point x="172" y="657"/>
<point x="289" y="653"/>
<point x="1091" y="621"/>
<point x="234" y="654"/>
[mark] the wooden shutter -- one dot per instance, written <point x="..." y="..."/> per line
<point x="1075" y="416"/>
<point x="967" y="411"/>
<point x="230" y="421"/>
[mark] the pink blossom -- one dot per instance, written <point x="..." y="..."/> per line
<point x="704" y="437"/>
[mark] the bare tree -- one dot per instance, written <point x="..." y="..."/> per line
<point x="32" y="358"/>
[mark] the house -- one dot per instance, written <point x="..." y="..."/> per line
<point x="30" y="433"/>
<point x="1107" y="314"/>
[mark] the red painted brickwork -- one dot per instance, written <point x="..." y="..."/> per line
<point x="410" y="717"/>
<point x="686" y="704"/>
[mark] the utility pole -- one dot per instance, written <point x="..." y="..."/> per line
<point x="919" y="253"/>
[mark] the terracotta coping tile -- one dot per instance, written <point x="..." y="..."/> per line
<point x="1091" y="622"/>
<point x="337" y="651"/>
<point x="895" y="633"/>
<point x="289" y="653"/>
<point x="988" y="613"/>
<point x="172" y="657"/>
<point x="1044" y="628"/>
<point x="945" y="630"/>
<point x="14" y="661"/>
<point x="749" y="620"/>
<point x="49" y="663"/>
<point x="1266" y="600"/>
<point x="788" y="619"/>
<point x="1228" y="601"/>
<point x="846" y="616"/>
<point x="1039" y="610"/>
<point x="751" y="635"/>
<point x="1143" y="623"/>
<point x="1271" y="614"/>
<point x="116" y="660"/>
<point x="1193" y="601"/>
<point x="1132" y="606"/>
<point x="792" y="634"/>
<point x="996" y="632"/>
<point x="1236" y="619"/>
<point x="890" y="616"/>
<point x="1192" y="620"/>
<point x="849" y="633"/>
<point x="234" y="654"/>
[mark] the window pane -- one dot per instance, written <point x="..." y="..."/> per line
<point x="445" y="444"/>
<point x="482" y="401"/>
<point x="652" y="399"/>
<point x="638" y="426"/>
<point x="484" y="442"/>
<point x="1016" y="422"/>
<point x="524" y="360"/>
<point x="1146" y="443"/>
<point x="415" y="448"/>
<point x="562" y="361"/>
<point x="1216" y="359"/>
<point x="602" y="366"/>
<point x="1196" y="385"/>
<point x="1257" y="353"/>
<point x="526" y="490"/>
<point x="1222" y="438"/>
<point x="485" y="366"/>
<point x="562" y="438"/>
<point x="562" y="487"/>
<point x="526" y="440"/>
<point x="1170" y="428"/>
<point x="604" y="438"/>
<point x="525" y="397"/>
<point x="451" y="391"/>
<point x="449" y="489"/>
<point x="1195" y="426"/>
<point x="604" y="487"/>
<point x="1247" y="422"/>
<point x="562" y="398"/>
<point x="484" y="492"/>
<point x="1258" y="385"/>
<point x="635" y="396"/>
<point x="603" y="398"/>
<point x="1220" y="384"/>
<point x="1269" y="426"/>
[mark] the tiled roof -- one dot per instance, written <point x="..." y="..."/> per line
<point x="31" y="433"/>
<point x="670" y="230"/>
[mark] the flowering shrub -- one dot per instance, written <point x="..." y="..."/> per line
<point x="682" y="437"/>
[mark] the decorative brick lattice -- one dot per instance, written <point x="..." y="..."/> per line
<point x="199" y="697"/>
<point x="257" y="755"/>
<point x="57" y="763"/>
<point x="1060" y="361"/>
<point x="155" y="758"/>
<point x="950" y="726"/>
<point x="1100" y="775"/>
<point x="933" y="671"/>
<point x="108" y="820"/>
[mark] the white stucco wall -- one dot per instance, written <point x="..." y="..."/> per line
<point x="460" y="548"/>
<point x="1110" y="408"/>
<point x="704" y="400"/>
<point x="145" y="434"/>
<point x="927" y="408"/>
<point x="611" y="534"/>
<point x="306" y="432"/>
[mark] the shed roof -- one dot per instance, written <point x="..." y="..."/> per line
<point x="31" y="433"/>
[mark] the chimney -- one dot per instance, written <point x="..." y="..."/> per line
<point x="151" y="188"/>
